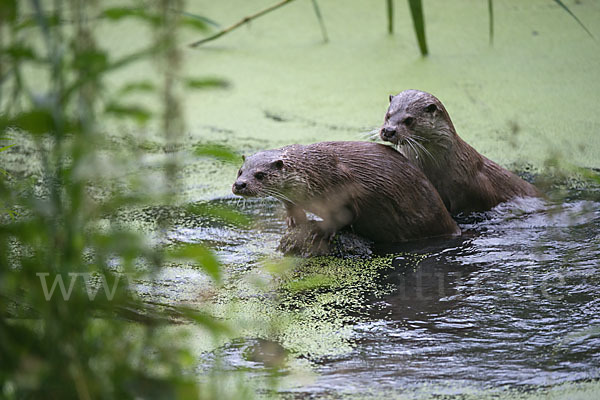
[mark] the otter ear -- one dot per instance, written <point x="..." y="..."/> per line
<point x="278" y="164"/>
<point x="243" y="157"/>
<point x="431" y="108"/>
<point x="391" y="97"/>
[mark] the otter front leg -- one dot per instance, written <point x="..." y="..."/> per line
<point x="295" y="215"/>
<point x="334" y="220"/>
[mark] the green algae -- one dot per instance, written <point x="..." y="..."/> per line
<point x="310" y="283"/>
<point x="530" y="97"/>
<point x="309" y="305"/>
<point x="285" y="85"/>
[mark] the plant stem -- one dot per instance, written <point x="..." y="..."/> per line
<point x="390" y="15"/>
<point x="321" y="23"/>
<point x="491" y="14"/>
<point x="243" y="21"/>
<point x="564" y="7"/>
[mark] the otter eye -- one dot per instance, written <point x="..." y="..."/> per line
<point x="239" y="172"/>
<point x="408" y="121"/>
<point x="431" y="108"/>
<point x="259" y="175"/>
<point x="278" y="164"/>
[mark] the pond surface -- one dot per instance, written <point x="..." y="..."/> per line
<point x="509" y="308"/>
<point x="514" y="302"/>
<point x="530" y="98"/>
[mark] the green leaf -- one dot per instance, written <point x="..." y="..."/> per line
<point x="139" y="113"/>
<point x="201" y="255"/>
<point x="205" y="83"/>
<point x="416" y="11"/>
<point x="210" y="322"/>
<point x="206" y="21"/>
<point x="139" y="86"/>
<point x="133" y="57"/>
<point x="50" y="21"/>
<point x="119" y="13"/>
<point x="8" y="10"/>
<point x="6" y="147"/>
<point x="194" y="23"/>
<point x="564" y="7"/>
<point x="92" y="62"/>
<point x="36" y="121"/>
<point x="20" y="52"/>
<point x="188" y="19"/>
<point x="123" y="61"/>
<point x="217" y="151"/>
<point x="223" y="213"/>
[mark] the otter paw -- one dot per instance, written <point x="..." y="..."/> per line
<point x="290" y="222"/>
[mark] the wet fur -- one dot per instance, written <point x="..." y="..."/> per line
<point x="466" y="180"/>
<point x="368" y="187"/>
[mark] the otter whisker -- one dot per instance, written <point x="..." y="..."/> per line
<point x="278" y="195"/>
<point x="372" y="135"/>
<point x="419" y="138"/>
<point x="424" y="150"/>
<point x="400" y="148"/>
<point x="414" y="150"/>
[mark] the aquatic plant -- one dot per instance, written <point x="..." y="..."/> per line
<point x="70" y="324"/>
<point x="416" y="11"/>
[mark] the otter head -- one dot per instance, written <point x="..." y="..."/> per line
<point x="415" y="116"/>
<point x="261" y="175"/>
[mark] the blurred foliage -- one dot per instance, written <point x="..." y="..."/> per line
<point x="218" y="151"/>
<point x="71" y="325"/>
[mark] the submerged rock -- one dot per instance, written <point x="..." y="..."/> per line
<point x="309" y="240"/>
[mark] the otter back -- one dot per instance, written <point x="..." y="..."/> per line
<point x="368" y="187"/>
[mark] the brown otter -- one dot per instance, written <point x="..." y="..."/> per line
<point x="369" y="187"/>
<point x="467" y="181"/>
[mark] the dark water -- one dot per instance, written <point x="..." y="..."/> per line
<point x="514" y="302"/>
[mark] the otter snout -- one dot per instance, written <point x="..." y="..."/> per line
<point x="239" y="187"/>
<point x="388" y="134"/>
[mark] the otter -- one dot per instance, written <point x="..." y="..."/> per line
<point x="418" y="123"/>
<point x="367" y="187"/>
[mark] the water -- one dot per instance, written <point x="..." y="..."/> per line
<point x="516" y="303"/>
<point x="511" y="304"/>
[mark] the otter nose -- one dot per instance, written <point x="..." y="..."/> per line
<point x="239" y="186"/>
<point x="387" y="133"/>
